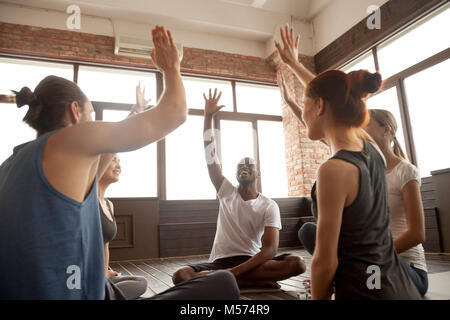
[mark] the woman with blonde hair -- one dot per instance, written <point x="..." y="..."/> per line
<point x="407" y="220"/>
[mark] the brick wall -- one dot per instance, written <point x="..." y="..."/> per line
<point x="78" y="46"/>
<point x="303" y="156"/>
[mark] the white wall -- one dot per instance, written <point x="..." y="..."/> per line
<point x="337" y="18"/>
<point x="104" y="26"/>
<point x="333" y="19"/>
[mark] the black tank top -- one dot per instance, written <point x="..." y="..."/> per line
<point x="109" y="228"/>
<point x="365" y="238"/>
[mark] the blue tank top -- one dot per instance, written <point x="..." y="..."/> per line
<point x="51" y="246"/>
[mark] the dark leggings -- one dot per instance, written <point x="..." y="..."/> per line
<point x="307" y="236"/>
<point x="217" y="285"/>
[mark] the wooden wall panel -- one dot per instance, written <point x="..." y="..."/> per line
<point x="137" y="226"/>
<point x="189" y="227"/>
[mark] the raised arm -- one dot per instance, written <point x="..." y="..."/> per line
<point x="289" y="55"/>
<point x="209" y="139"/>
<point x="93" y="138"/>
<point x="140" y="106"/>
<point x="294" y="106"/>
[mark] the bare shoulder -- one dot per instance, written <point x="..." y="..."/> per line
<point x="337" y="169"/>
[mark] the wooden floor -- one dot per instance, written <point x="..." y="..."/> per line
<point x="158" y="273"/>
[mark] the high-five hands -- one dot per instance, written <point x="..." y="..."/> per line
<point x="289" y="51"/>
<point x="165" y="54"/>
<point x="211" y="107"/>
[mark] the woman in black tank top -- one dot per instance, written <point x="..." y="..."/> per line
<point x="132" y="287"/>
<point x="354" y="252"/>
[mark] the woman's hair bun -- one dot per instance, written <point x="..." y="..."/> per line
<point x="25" y="97"/>
<point x="372" y="82"/>
<point x="362" y="82"/>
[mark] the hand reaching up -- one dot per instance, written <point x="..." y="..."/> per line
<point x="165" y="54"/>
<point x="294" y="106"/>
<point x="289" y="52"/>
<point x="141" y="102"/>
<point x="211" y="106"/>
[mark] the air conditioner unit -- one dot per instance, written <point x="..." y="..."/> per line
<point x="137" y="48"/>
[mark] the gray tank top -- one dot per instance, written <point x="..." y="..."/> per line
<point x="109" y="227"/>
<point x="365" y="238"/>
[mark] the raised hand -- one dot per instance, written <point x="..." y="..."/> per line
<point x="165" y="54"/>
<point x="141" y="102"/>
<point x="289" y="51"/>
<point x="211" y="103"/>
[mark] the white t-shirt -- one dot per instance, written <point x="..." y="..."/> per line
<point x="240" y="224"/>
<point x="403" y="173"/>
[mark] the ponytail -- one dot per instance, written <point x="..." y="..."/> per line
<point x="398" y="151"/>
<point x="386" y="119"/>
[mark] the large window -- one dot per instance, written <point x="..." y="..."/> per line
<point x="237" y="143"/>
<point x="415" y="65"/>
<point x="365" y="62"/>
<point x="186" y="171"/>
<point x="422" y="41"/>
<point x="272" y="157"/>
<point x="15" y="74"/>
<point x="196" y="87"/>
<point x="429" y="106"/>
<point x="258" y="99"/>
<point x="115" y="85"/>
<point x="250" y="126"/>
<point x="139" y="176"/>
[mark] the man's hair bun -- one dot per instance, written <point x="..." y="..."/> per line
<point x="25" y="97"/>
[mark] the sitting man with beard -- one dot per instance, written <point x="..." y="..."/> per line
<point x="245" y="216"/>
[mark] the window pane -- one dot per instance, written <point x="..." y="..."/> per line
<point x="138" y="177"/>
<point x="388" y="100"/>
<point x="237" y="143"/>
<point x="272" y="159"/>
<point x="13" y="130"/>
<point x="195" y="87"/>
<point x="366" y="62"/>
<point x="115" y="85"/>
<point x="428" y="101"/>
<point x="417" y="44"/>
<point x="17" y="73"/>
<point x="258" y="99"/>
<point x="187" y="174"/>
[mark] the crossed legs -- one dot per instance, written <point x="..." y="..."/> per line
<point x="264" y="275"/>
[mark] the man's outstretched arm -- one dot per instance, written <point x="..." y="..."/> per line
<point x="209" y="139"/>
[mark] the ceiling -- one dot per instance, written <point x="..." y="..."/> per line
<point x="245" y="19"/>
